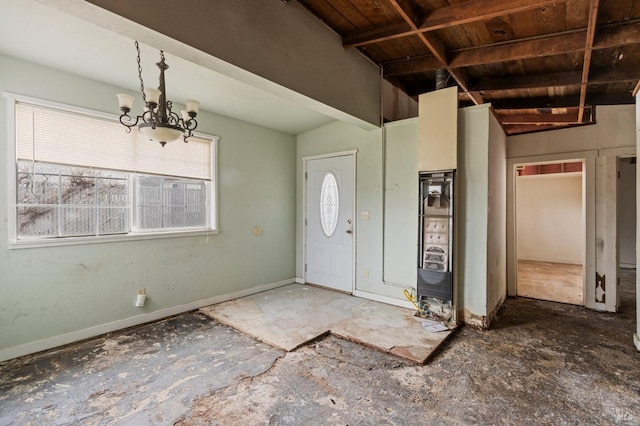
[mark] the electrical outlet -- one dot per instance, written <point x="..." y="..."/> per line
<point x="365" y="273"/>
<point x="364" y="215"/>
<point x="140" y="298"/>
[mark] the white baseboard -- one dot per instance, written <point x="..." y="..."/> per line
<point x="384" y="299"/>
<point x="636" y="341"/>
<point x="75" y="336"/>
<point x="300" y="280"/>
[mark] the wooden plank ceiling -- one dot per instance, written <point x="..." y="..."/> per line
<point x="542" y="64"/>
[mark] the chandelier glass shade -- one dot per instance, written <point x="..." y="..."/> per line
<point x="158" y="122"/>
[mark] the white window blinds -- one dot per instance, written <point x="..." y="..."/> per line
<point x="62" y="137"/>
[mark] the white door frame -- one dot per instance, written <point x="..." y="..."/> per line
<point x="305" y="161"/>
<point x="589" y="209"/>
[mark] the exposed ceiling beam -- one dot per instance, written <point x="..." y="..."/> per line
<point x="436" y="47"/>
<point x="518" y="50"/>
<point x="637" y="89"/>
<point x="573" y="78"/>
<point x="449" y="16"/>
<point x="591" y="32"/>
<point x="528" y="82"/>
<point x="569" y="118"/>
<point x="407" y="11"/>
<point x="561" y="102"/>
<point x="518" y="129"/>
<point x="535" y="47"/>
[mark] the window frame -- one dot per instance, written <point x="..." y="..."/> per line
<point x="135" y="233"/>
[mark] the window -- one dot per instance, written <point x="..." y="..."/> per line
<point x="79" y="174"/>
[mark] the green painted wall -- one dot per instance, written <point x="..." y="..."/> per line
<point x="48" y="292"/>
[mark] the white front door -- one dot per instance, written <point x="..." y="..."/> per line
<point x="329" y="222"/>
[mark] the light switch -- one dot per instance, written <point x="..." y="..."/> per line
<point x="364" y="215"/>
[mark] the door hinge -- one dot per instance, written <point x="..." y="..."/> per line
<point x="618" y="174"/>
<point x="305" y="221"/>
<point x="305" y="267"/>
<point x="306" y="175"/>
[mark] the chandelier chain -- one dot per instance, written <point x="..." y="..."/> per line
<point x="158" y="121"/>
<point x="144" y="97"/>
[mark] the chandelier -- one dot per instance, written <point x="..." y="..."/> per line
<point x="158" y="121"/>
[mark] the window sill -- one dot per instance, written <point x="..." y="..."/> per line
<point x="69" y="241"/>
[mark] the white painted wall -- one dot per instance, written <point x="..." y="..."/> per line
<point x="401" y="203"/>
<point x="497" y="218"/>
<point x="549" y="218"/>
<point x="481" y="213"/>
<point x="472" y="211"/>
<point x="627" y="213"/>
<point x="49" y="292"/>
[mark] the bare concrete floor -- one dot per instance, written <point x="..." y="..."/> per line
<point x="542" y="363"/>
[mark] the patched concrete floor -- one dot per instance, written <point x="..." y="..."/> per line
<point x="542" y="363"/>
<point x="290" y="316"/>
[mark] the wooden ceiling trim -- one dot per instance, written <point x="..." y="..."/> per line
<point x="450" y="16"/>
<point x="636" y="89"/>
<point x="591" y="32"/>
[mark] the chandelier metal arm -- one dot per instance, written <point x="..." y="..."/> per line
<point x="158" y="112"/>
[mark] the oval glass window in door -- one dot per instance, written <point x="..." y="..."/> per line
<point x="329" y="204"/>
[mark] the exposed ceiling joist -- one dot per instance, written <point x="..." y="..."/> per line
<point x="591" y="31"/>
<point x="618" y="35"/>
<point x="536" y="47"/>
<point x="572" y="78"/>
<point x="568" y="118"/>
<point x="436" y="47"/>
<point x="524" y="56"/>
<point x="450" y="16"/>
<point x="561" y="101"/>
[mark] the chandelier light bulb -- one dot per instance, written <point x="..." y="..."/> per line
<point x="158" y="121"/>
<point x="152" y="95"/>
<point x="125" y="101"/>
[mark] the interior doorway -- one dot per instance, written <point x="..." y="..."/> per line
<point x="550" y="231"/>
<point x="626" y="218"/>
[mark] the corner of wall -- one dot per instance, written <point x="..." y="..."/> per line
<point x="474" y="320"/>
